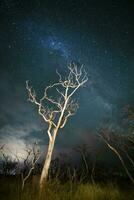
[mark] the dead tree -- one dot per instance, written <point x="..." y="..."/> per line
<point x="128" y="118"/>
<point x="60" y="109"/>
<point x="111" y="139"/>
<point x="33" y="155"/>
<point x="84" y="166"/>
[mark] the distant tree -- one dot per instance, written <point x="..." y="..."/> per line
<point x="128" y="136"/>
<point x="12" y="164"/>
<point x="128" y="118"/>
<point x="56" y="111"/>
<point x="33" y="155"/>
<point x="118" y="144"/>
<point x="9" y="165"/>
<point x="83" y="150"/>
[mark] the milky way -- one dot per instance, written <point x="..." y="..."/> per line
<point x="39" y="36"/>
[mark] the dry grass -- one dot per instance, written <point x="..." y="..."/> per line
<point x="11" y="190"/>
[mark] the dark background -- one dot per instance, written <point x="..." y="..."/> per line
<point x="38" y="37"/>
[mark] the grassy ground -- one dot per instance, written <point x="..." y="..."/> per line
<point x="10" y="189"/>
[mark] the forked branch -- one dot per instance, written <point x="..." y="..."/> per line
<point x="63" y="106"/>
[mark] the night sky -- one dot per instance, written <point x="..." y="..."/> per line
<point x="37" y="37"/>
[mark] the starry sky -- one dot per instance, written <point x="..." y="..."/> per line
<point x="37" y="37"/>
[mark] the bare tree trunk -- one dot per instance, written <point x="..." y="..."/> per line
<point x="62" y="108"/>
<point x="92" y="171"/>
<point x="46" y="166"/>
<point x="120" y="158"/>
<point x="129" y="158"/>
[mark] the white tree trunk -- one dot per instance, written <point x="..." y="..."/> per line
<point x="46" y="166"/>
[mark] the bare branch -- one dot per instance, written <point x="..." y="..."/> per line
<point x="61" y="108"/>
<point x="111" y="147"/>
<point x="61" y="93"/>
<point x="71" y="110"/>
<point x="50" y="99"/>
<point x="60" y="78"/>
<point x="35" y="153"/>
